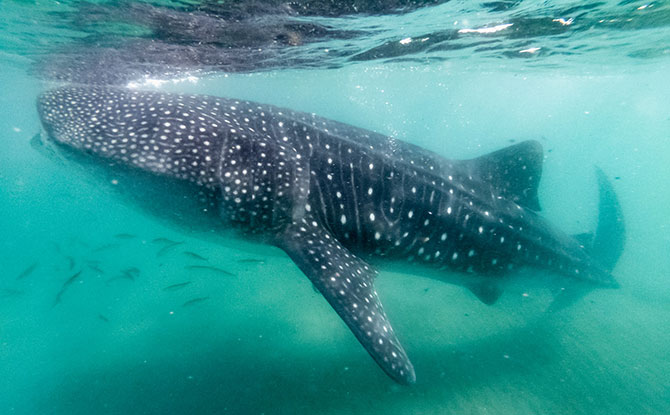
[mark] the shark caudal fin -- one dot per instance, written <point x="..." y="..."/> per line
<point x="605" y="247"/>
<point x="611" y="232"/>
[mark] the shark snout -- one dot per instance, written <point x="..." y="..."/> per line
<point x="64" y="119"/>
<point x="48" y="113"/>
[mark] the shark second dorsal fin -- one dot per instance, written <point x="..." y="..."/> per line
<point x="515" y="171"/>
<point x="347" y="282"/>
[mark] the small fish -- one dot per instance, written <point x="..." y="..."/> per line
<point x="194" y="255"/>
<point x="167" y="248"/>
<point x="135" y="272"/>
<point x="27" y="271"/>
<point x="65" y="286"/>
<point x="210" y="268"/>
<point x="9" y="292"/>
<point x="162" y="241"/>
<point x="95" y="268"/>
<point x="250" y="261"/>
<point x="194" y="301"/>
<point x="125" y="236"/>
<point x="120" y="277"/>
<point x="57" y="248"/>
<point x="175" y="287"/>
<point x="105" y="247"/>
<point x="127" y="274"/>
<point x="103" y="318"/>
<point x="70" y="261"/>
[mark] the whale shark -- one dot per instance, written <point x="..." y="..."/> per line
<point x="334" y="197"/>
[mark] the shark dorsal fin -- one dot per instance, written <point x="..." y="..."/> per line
<point x="514" y="171"/>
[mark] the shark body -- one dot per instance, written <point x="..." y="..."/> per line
<point x="331" y="195"/>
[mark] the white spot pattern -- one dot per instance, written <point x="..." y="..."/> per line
<point x="268" y="167"/>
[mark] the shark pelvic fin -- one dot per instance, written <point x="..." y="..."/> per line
<point x="347" y="282"/>
<point x="487" y="292"/>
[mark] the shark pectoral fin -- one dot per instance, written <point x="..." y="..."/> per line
<point x="487" y="292"/>
<point x="347" y="282"/>
<point x="515" y="171"/>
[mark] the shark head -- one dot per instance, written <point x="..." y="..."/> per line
<point x="171" y="135"/>
<point x="158" y="152"/>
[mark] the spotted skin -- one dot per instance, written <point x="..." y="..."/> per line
<point x="330" y="195"/>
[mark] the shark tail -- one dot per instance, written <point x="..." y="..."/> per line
<point x="605" y="247"/>
<point x="610" y="236"/>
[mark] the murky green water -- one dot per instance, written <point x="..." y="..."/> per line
<point x="122" y="338"/>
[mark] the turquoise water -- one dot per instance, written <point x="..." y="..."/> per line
<point x="262" y="341"/>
